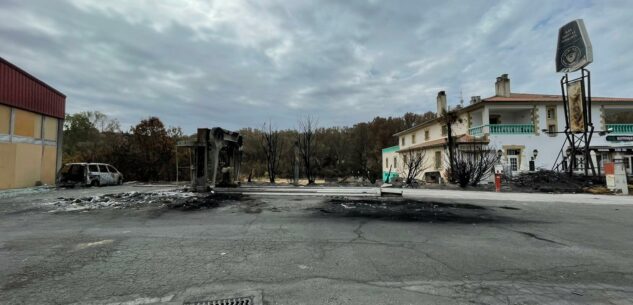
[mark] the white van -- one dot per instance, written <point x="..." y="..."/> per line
<point x="94" y="174"/>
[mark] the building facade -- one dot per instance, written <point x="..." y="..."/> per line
<point x="390" y="163"/>
<point x="31" y="125"/>
<point x="522" y="128"/>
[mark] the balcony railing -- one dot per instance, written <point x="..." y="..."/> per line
<point x="476" y="131"/>
<point x="502" y="129"/>
<point x="511" y="128"/>
<point x="620" y="128"/>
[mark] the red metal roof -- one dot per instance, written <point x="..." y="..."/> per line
<point x="531" y="97"/>
<point x="22" y="90"/>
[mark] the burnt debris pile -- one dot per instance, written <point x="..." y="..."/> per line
<point x="551" y="181"/>
<point x="399" y="209"/>
<point x="137" y="200"/>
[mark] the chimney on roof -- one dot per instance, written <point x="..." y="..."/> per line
<point x="475" y="99"/>
<point x="502" y="86"/>
<point x="441" y="103"/>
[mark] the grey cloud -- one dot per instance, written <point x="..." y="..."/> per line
<point x="238" y="64"/>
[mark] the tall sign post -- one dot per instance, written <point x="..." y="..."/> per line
<point x="573" y="53"/>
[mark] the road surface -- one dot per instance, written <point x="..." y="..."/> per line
<point x="296" y="249"/>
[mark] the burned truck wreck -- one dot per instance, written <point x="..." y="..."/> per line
<point x="215" y="151"/>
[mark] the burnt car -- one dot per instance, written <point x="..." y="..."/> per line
<point x="93" y="174"/>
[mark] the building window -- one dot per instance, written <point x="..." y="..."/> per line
<point x="514" y="164"/>
<point x="426" y="135"/>
<point x="551" y="128"/>
<point x="513" y="152"/>
<point x="386" y="162"/>
<point x="438" y="159"/>
<point x="402" y="141"/>
<point x="551" y="113"/>
<point x="395" y="162"/>
<point x="444" y="130"/>
<point x="413" y="138"/>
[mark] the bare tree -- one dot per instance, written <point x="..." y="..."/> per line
<point x="306" y="142"/>
<point x="472" y="163"/>
<point x="412" y="165"/>
<point x="271" y="145"/>
<point x="360" y="150"/>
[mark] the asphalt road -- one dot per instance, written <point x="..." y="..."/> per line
<point x="295" y="249"/>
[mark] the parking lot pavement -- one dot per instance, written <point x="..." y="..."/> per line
<point x="315" y="250"/>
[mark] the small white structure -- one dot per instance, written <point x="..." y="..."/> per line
<point x="524" y="127"/>
<point x="615" y="173"/>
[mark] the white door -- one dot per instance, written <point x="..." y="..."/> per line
<point x="513" y="162"/>
<point x="628" y="165"/>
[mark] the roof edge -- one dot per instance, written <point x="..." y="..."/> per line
<point x="33" y="78"/>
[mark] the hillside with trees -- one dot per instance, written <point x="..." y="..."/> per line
<point x="146" y="152"/>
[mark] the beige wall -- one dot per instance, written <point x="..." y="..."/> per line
<point x="50" y="128"/>
<point x="429" y="161"/>
<point x="25" y="123"/>
<point x="37" y="129"/>
<point x="5" y="119"/>
<point x="460" y="128"/>
<point x="435" y="132"/>
<point x="28" y="162"/>
<point x="7" y="166"/>
<point x="25" y="164"/>
<point x="49" y="165"/>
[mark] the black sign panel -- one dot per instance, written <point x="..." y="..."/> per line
<point x="619" y="138"/>
<point x="574" y="48"/>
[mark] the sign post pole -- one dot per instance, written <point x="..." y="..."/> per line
<point x="574" y="52"/>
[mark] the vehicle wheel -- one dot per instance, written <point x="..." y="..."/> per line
<point x="120" y="181"/>
<point x="95" y="183"/>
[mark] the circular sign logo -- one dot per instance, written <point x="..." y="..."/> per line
<point x="571" y="56"/>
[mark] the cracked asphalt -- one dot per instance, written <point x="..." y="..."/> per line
<point x="317" y="250"/>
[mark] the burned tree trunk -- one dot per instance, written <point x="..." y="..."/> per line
<point x="449" y="118"/>
<point x="472" y="163"/>
<point x="306" y="142"/>
<point x="271" y="144"/>
<point x="412" y="165"/>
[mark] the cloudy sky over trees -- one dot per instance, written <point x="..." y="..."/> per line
<point x="239" y="63"/>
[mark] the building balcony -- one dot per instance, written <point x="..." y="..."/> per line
<point x="501" y="129"/>
<point x="620" y="128"/>
<point x="476" y="131"/>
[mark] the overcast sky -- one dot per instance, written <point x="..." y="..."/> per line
<point x="240" y="63"/>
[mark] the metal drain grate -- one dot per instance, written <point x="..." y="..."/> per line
<point x="229" y="301"/>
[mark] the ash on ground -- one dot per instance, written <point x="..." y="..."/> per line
<point x="551" y="182"/>
<point x="410" y="210"/>
<point x="136" y="200"/>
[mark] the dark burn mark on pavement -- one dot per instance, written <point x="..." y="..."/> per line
<point x="211" y="200"/>
<point x="508" y="208"/>
<point x="410" y="210"/>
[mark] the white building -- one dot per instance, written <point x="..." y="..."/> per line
<point x="523" y="127"/>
